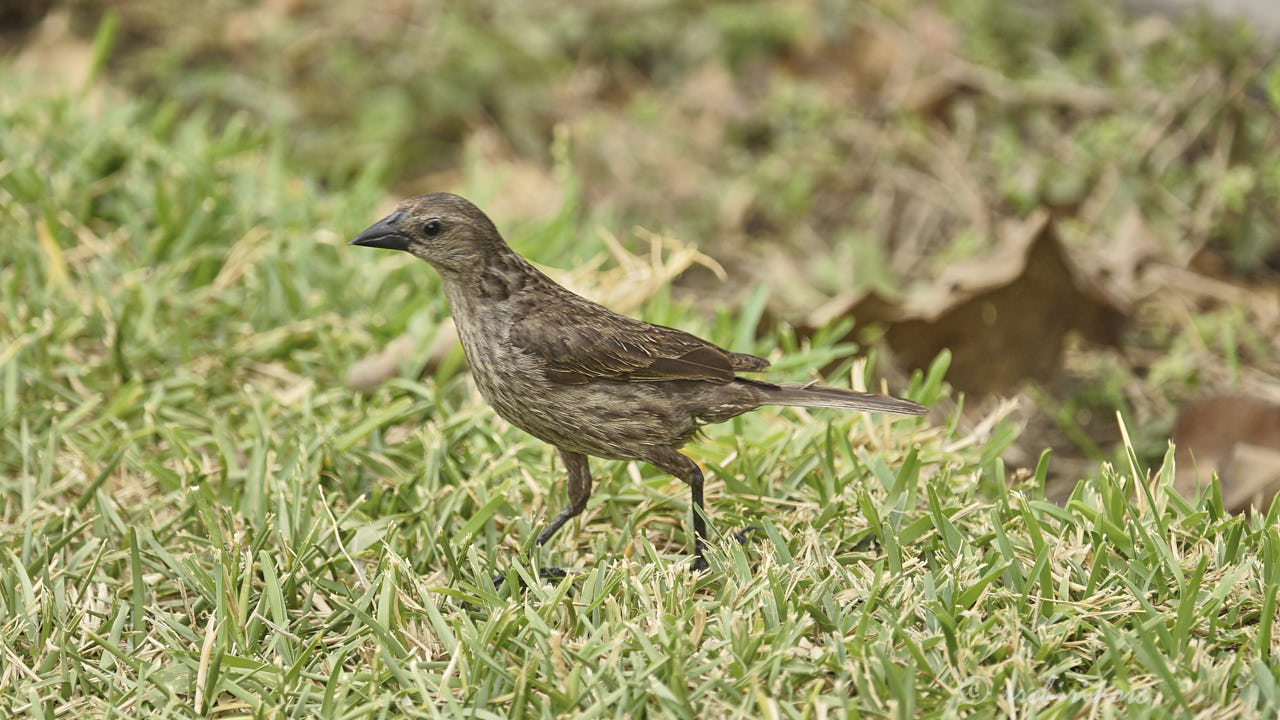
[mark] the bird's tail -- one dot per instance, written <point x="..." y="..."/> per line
<point x="820" y="396"/>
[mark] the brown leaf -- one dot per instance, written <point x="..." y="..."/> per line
<point x="1003" y="316"/>
<point x="1121" y="265"/>
<point x="54" y="53"/>
<point x="1236" y="436"/>
<point x="372" y="371"/>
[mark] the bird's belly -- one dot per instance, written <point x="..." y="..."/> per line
<point x="607" y="419"/>
<point x="617" y="420"/>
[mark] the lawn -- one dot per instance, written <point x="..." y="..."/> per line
<point x="201" y="519"/>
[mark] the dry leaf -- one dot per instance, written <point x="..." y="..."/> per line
<point x="1239" y="438"/>
<point x="1003" y="316"/>
<point x="1121" y="265"/>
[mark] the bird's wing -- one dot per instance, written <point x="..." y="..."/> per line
<point x="595" y="345"/>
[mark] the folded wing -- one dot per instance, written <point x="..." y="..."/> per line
<point x="618" y="348"/>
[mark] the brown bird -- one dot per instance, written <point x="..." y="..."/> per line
<point x="577" y="375"/>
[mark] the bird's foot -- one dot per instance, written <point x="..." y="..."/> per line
<point x="552" y="573"/>
<point x="743" y="536"/>
<point x="546" y="573"/>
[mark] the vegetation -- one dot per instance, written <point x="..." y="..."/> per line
<point x="200" y="519"/>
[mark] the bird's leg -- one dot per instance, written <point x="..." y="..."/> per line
<point x="688" y="471"/>
<point x="699" y="518"/>
<point x="579" y="491"/>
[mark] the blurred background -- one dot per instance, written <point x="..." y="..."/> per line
<point x="1078" y="201"/>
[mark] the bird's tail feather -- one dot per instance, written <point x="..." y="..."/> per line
<point x="820" y="396"/>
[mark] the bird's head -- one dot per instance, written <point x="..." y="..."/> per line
<point x="441" y="228"/>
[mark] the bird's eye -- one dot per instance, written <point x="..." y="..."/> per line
<point x="433" y="227"/>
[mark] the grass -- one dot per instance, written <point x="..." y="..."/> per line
<point x="200" y="520"/>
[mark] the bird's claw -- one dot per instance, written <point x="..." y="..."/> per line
<point x="546" y="573"/>
<point x="743" y="536"/>
<point x="553" y="573"/>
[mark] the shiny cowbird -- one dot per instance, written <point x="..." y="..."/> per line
<point x="577" y="375"/>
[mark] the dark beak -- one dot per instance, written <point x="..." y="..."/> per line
<point x="383" y="234"/>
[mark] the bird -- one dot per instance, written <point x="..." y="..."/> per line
<point x="587" y="380"/>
